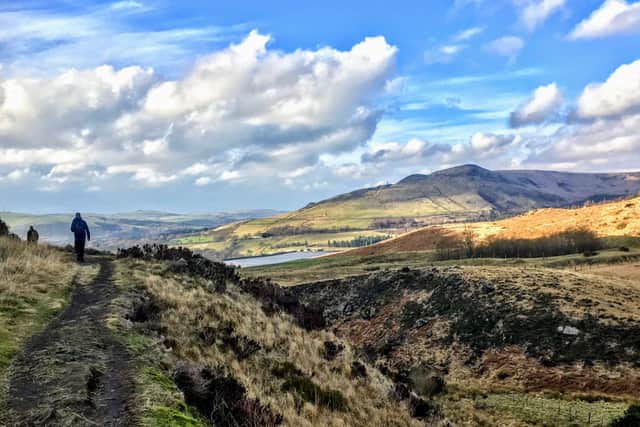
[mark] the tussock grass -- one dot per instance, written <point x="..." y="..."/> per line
<point x="34" y="283"/>
<point x="191" y="313"/>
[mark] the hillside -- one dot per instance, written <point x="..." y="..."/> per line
<point x="458" y="194"/>
<point x="137" y="341"/>
<point x="162" y="337"/>
<point x="123" y="229"/>
<point x="616" y="218"/>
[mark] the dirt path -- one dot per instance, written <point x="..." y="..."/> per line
<point x="74" y="372"/>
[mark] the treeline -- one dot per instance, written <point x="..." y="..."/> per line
<point x="291" y="230"/>
<point x="563" y="243"/>
<point x="402" y="222"/>
<point x="357" y="242"/>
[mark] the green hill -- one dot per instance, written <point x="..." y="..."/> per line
<point x="464" y="193"/>
<point x="110" y="231"/>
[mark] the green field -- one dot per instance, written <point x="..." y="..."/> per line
<point x="339" y="266"/>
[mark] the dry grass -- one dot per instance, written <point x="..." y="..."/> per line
<point x="190" y="308"/>
<point x="34" y="282"/>
<point x="618" y="218"/>
<point x="626" y="271"/>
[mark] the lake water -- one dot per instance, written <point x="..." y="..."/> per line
<point x="272" y="259"/>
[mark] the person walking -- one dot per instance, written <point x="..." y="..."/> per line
<point x="81" y="233"/>
<point x="32" y="235"/>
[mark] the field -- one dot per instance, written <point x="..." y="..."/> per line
<point x="341" y="221"/>
<point x="345" y="265"/>
<point x="618" y="220"/>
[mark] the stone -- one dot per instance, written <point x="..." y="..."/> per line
<point x="568" y="330"/>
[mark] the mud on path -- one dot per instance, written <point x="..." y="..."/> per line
<point x="74" y="372"/>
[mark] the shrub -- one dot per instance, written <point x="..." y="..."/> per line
<point x="421" y="408"/>
<point x="4" y="228"/>
<point x="624" y="249"/>
<point x="307" y="390"/>
<point x="564" y="243"/>
<point x="631" y="418"/>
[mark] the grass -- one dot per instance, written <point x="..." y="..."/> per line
<point x="325" y="394"/>
<point x="540" y="410"/>
<point x="158" y="401"/>
<point x="340" y="266"/>
<point x="256" y="246"/>
<point x="34" y="287"/>
<point x="358" y="215"/>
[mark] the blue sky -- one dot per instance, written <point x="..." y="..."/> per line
<point x="208" y="106"/>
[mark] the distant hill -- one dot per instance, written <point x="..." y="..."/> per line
<point x="124" y="229"/>
<point x="614" y="218"/>
<point x="458" y="194"/>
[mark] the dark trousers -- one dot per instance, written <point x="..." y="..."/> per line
<point x="79" y="247"/>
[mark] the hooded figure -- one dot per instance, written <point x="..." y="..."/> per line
<point x="81" y="233"/>
<point x="32" y="235"/>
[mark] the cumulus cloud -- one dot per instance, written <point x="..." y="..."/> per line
<point x="534" y="12"/>
<point x="415" y="150"/>
<point x="507" y="46"/>
<point x="618" y="95"/>
<point x="544" y="101"/>
<point x="613" y="17"/>
<point x="486" y="144"/>
<point x="245" y="110"/>
<point x="606" y="132"/>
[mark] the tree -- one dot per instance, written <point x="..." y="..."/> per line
<point x="4" y="228"/>
<point x="469" y="241"/>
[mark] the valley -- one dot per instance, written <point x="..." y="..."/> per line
<point x="457" y="195"/>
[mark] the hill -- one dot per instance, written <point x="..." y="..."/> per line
<point x="616" y="218"/>
<point x="138" y="341"/>
<point x="124" y="229"/>
<point x="458" y="194"/>
<point x="164" y="337"/>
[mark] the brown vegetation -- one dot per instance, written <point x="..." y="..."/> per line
<point x="618" y="218"/>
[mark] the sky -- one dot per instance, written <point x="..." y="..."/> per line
<point x="218" y="106"/>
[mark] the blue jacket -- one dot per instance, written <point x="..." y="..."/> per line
<point x="80" y="229"/>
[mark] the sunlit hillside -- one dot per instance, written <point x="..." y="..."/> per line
<point x="617" y="218"/>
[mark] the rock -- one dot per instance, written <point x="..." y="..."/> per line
<point x="347" y="310"/>
<point x="568" y="330"/>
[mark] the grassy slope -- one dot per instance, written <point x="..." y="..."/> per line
<point x="359" y="214"/>
<point x="618" y="218"/>
<point x="189" y="308"/>
<point x="505" y="380"/>
<point x="345" y="265"/>
<point x="34" y="286"/>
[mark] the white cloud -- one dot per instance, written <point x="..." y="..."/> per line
<point x="488" y="143"/>
<point x="246" y="110"/>
<point x="605" y="136"/>
<point x="534" y="12"/>
<point x="203" y="180"/>
<point x="544" y="102"/>
<point x="507" y="46"/>
<point x="468" y="34"/>
<point x="613" y="17"/>
<point x="42" y="40"/>
<point x="414" y="150"/>
<point x="618" y="95"/>
<point x="442" y="54"/>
